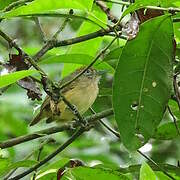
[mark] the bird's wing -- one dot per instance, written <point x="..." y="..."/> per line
<point x="45" y="108"/>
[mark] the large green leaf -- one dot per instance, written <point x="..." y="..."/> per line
<point x="40" y="6"/>
<point x="8" y="79"/>
<point x="142" y="83"/>
<point x="89" y="173"/>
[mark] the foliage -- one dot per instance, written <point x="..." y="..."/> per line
<point x="51" y="39"/>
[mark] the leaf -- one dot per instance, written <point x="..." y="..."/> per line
<point x="5" y="3"/>
<point x="142" y="82"/>
<point x="40" y="6"/>
<point x="167" y="131"/>
<point x="90" y="173"/>
<point x="4" y="162"/>
<point x="8" y="79"/>
<point x="23" y="163"/>
<point x="113" y="54"/>
<point x="77" y="59"/>
<point x="146" y="172"/>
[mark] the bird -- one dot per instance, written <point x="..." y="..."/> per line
<point x="81" y="93"/>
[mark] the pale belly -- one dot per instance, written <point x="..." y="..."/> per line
<point x="82" y="98"/>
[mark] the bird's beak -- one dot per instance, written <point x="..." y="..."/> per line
<point x="101" y="72"/>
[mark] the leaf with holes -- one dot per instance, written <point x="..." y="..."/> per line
<point x="142" y="83"/>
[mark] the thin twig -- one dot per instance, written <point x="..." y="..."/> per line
<point x="148" y="158"/>
<point x="38" y="24"/>
<point x="58" y="43"/>
<point x="52" y="155"/>
<point x="105" y="125"/>
<point x="174" y="119"/>
<point x="38" y="159"/>
<point x="153" y="162"/>
<point x="38" y="134"/>
<point x="109" y="14"/>
<point x="176" y="90"/>
<point x="90" y="65"/>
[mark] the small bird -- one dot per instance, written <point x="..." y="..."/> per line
<point x="81" y="93"/>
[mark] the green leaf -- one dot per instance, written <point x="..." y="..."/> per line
<point x="5" y="3"/>
<point x="4" y="162"/>
<point x="77" y="59"/>
<point x="8" y="79"/>
<point x="89" y="173"/>
<point x="142" y="83"/>
<point x="146" y="172"/>
<point x="113" y="54"/>
<point x="23" y="163"/>
<point x="50" y="170"/>
<point x="167" y="131"/>
<point x="40" y="6"/>
<point x="89" y="47"/>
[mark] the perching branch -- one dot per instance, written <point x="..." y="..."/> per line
<point x="53" y="130"/>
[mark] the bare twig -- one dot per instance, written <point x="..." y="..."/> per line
<point x="153" y="162"/>
<point x="52" y="155"/>
<point x="52" y="130"/>
<point x="90" y="65"/>
<point x="56" y="43"/>
<point x="148" y="158"/>
<point x="174" y="119"/>
<point x="35" y="135"/>
<point x="176" y="90"/>
<point x="109" y="14"/>
<point x="105" y="125"/>
<point x="38" y="159"/>
<point x="38" y="24"/>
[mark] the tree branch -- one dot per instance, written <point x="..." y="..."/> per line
<point x="106" y="10"/>
<point x="53" y="130"/>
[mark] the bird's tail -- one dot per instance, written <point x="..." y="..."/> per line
<point x="36" y="119"/>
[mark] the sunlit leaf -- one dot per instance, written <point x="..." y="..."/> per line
<point x="8" y="79"/>
<point x="89" y="173"/>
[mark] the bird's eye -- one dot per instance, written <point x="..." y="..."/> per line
<point x="88" y="72"/>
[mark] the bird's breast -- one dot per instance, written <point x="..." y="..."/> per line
<point x="80" y="96"/>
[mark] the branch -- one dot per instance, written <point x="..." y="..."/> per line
<point x="56" y="43"/>
<point x="38" y="24"/>
<point x="35" y="135"/>
<point x="104" y="8"/>
<point x="57" y="151"/>
<point x="38" y="134"/>
<point x="174" y="119"/>
<point x="91" y="64"/>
